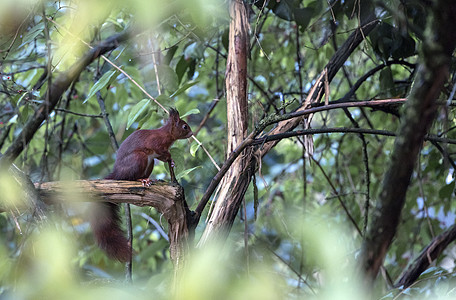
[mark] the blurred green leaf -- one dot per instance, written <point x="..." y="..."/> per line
<point x="193" y="148"/>
<point x="186" y="172"/>
<point x="168" y="78"/>
<point x="32" y="34"/>
<point x="137" y="110"/>
<point x="194" y="111"/>
<point x="387" y="82"/>
<point x="446" y="192"/>
<point x="183" y="88"/>
<point x="102" y="83"/>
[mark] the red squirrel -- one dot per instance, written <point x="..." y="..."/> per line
<point x="135" y="161"/>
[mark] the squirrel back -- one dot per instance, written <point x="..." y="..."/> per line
<point x="134" y="161"/>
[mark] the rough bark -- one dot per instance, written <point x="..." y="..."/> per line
<point x="418" y="116"/>
<point x="168" y="199"/>
<point x="236" y="181"/>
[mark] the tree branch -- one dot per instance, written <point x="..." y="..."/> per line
<point x="168" y="199"/>
<point x="251" y="138"/>
<point x="418" y="117"/>
<point x="312" y="131"/>
<point x="336" y="62"/>
<point x="426" y="257"/>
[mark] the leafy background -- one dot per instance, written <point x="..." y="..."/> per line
<point x="301" y="241"/>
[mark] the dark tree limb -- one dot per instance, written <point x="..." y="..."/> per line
<point x="250" y="139"/>
<point x="418" y="117"/>
<point x="333" y="66"/>
<point x="312" y="131"/>
<point x="371" y="72"/>
<point x="59" y="85"/>
<point x="426" y="257"/>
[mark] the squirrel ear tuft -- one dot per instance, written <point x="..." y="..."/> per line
<point x="173" y="113"/>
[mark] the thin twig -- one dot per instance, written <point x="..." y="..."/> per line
<point x="78" y="114"/>
<point x="342" y="203"/>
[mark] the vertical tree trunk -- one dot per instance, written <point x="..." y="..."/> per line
<point x="419" y="115"/>
<point x="236" y="181"/>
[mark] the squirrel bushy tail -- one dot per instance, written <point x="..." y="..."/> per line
<point x="108" y="234"/>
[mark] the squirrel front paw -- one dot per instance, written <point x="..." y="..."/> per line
<point x="146" y="182"/>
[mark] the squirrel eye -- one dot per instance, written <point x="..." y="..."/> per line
<point x="185" y="126"/>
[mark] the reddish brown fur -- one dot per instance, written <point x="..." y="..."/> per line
<point x="133" y="163"/>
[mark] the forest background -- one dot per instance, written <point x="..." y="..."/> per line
<point x="334" y="122"/>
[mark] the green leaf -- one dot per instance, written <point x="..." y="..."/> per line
<point x="12" y="120"/>
<point x="194" y="111"/>
<point x="137" y="110"/>
<point x="191" y="68"/>
<point x="102" y="83"/>
<point x="186" y="172"/>
<point x="32" y="34"/>
<point x="170" y="54"/>
<point x="446" y="191"/>
<point x="387" y="82"/>
<point x="151" y="120"/>
<point x="181" y="67"/>
<point x="165" y="100"/>
<point x="194" y="50"/>
<point x="431" y="271"/>
<point x="283" y="10"/>
<point x="184" y="88"/>
<point x="144" y="120"/>
<point x="24" y="112"/>
<point x="302" y="16"/>
<point x="406" y="48"/>
<point x="22" y="97"/>
<point x="168" y="78"/>
<point x="193" y="148"/>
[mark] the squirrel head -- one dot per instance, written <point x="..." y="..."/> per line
<point x="179" y="128"/>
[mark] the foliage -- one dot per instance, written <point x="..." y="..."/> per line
<point x="296" y="246"/>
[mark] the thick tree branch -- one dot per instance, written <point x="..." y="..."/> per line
<point x="419" y="115"/>
<point x="250" y="141"/>
<point x="312" y="131"/>
<point x="168" y="199"/>
<point x="426" y="257"/>
<point x="251" y="138"/>
<point x="343" y="105"/>
<point x="158" y="195"/>
<point x="234" y="183"/>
